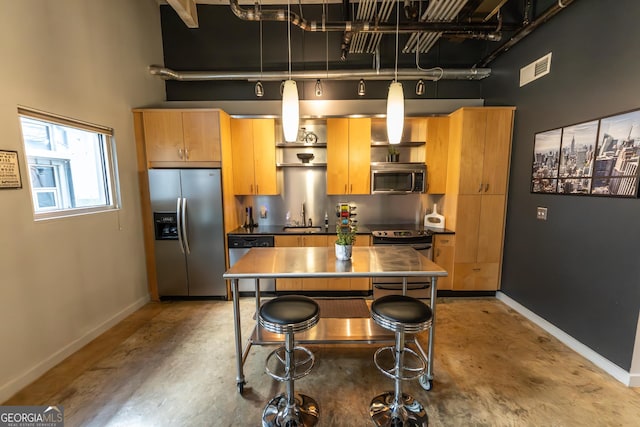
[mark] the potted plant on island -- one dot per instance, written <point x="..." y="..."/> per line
<point x="344" y="243"/>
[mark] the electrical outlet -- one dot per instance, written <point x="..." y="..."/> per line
<point x="541" y="213"/>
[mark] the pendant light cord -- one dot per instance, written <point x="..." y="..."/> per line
<point x="397" y="26"/>
<point x="289" y="34"/>
<point x="326" y="47"/>
<point x="260" y="4"/>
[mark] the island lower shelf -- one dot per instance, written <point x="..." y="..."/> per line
<point x="331" y="331"/>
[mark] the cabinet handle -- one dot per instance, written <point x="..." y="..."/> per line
<point x="251" y="188"/>
<point x="438" y="253"/>
<point x="476" y="269"/>
<point x="486" y="188"/>
<point x="480" y="189"/>
<point x="180" y="153"/>
<point x="445" y="241"/>
<point x="345" y="189"/>
<point x="186" y="153"/>
<point x="257" y="187"/>
<point x="351" y="189"/>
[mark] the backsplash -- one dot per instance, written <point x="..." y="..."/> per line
<point x="308" y="186"/>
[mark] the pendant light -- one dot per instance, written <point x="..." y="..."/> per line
<point x="395" y="99"/>
<point x="290" y="108"/>
<point x="362" y="90"/>
<point x="259" y="89"/>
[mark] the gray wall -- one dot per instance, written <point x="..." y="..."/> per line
<point x="579" y="270"/>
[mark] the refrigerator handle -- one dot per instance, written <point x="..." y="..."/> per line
<point x="178" y="213"/>
<point x="185" y="236"/>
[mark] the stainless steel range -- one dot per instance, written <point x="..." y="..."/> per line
<point x="420" y="240"/>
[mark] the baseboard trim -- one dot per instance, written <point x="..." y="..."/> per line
<point x="609" y="367"/>
<point x="15" y="385"/>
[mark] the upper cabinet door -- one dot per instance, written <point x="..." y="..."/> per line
<point x="253" y="152"/>
<point x="497" y="151"/>
<point x="472" y="151"/>
<point x="264" y="156"/>
<point x="348" y="156"/>
<point x="337" y="156"/>
<point x="182" y="136"/>
<point x="359" y="156"/>
<point x="163" y="136"/>
<point x="437" y="143"/>
<point x="201" y="136"/>
<point x="242" y="156"/>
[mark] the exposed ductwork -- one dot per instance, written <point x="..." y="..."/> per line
<point x="526" y="30"/>
<point x="412" y="74"/>
<point x="368" y="22"/>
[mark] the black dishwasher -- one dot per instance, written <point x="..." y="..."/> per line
<point x="240" y="245"/>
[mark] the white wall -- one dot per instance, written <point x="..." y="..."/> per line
<point x="64" y="281"/>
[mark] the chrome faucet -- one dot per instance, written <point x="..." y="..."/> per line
<point x="304" y="219"/>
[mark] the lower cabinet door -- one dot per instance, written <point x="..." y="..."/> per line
<point x="313" y="284"/>
<point x="476" y="276"/>
<point x="443" y="255"/>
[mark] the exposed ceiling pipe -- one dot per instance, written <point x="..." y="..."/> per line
<point x="408" y="74"/>
<point x="353" y="26"/>
<point x="525" y="31"/>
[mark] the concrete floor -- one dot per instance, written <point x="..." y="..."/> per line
<point x="173" y="364"/>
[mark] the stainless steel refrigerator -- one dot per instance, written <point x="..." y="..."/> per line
<point x="189" y="232"/>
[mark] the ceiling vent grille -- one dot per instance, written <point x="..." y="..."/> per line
<point x="535" y="70"/>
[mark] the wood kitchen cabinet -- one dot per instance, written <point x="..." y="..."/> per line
<point x="348" y="156"/>
<point x="299" y="241"/>
<point x="310" y="284"/>
<point x="437" y="153"/>
<point x="477" y="176"/>
<point x="181" y="138"/>
<point x="443" y="253"/>
<point x="253" y="152"/>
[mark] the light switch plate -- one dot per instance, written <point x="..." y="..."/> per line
<point x="541" y="213"/>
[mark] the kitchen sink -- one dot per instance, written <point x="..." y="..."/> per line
<point x="301" y="229"/>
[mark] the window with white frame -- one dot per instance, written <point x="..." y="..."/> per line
<point x="71" y="165"/>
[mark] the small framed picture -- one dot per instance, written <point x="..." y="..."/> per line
<point x="618" y="150"/>
<point x="546" y="161"/>
<point x="9" y="170"/>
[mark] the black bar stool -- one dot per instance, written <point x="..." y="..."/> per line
<point x="402" y="315"/>
<point x="288" y="315"/>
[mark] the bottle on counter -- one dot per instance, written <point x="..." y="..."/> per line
<point x="434" y="219"/>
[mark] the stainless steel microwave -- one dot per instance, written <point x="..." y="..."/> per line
<point x="398" y="178"/>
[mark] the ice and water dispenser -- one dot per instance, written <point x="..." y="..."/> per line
<point x="166" y="225"/>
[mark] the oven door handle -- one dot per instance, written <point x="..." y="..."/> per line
<point x="422" y="248"/>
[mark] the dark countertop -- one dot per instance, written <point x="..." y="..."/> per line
<point x="362" y="229"/>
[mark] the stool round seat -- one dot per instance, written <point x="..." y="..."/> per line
<point x="289" y="314"/>
<point x="400" y="313"/>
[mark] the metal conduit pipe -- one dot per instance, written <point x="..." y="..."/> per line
<point x="356" y="27"/>
<point x="384" y="74"/>
<point x="525" y="31"/>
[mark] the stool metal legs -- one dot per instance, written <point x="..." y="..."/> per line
<point x="290" y="409"/>
<point x="396" y="409"/>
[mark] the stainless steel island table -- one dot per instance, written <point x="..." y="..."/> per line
<point x="320" y="262"/>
